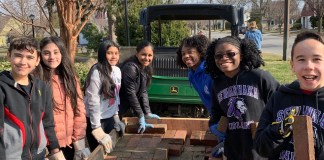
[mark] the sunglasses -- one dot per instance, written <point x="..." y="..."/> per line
<point x="227" y="54"/>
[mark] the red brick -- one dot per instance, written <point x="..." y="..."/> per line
<point x="160" y="154"/>
<point x="209" y="139"/>
<point x="195" y="137"/>
<point x="303" y="138"/>
<point x="132" y="143"/>
<point x="175" y="149"/>
<point x="111" y="158"/>
<point x="158" y="128"/>
<point x="175" y="136"/>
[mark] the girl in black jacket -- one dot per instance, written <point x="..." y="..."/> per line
<point x="136" y="77"/>
<point x="240" y="92"/>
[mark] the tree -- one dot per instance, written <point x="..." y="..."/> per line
<point x="73" y="15"/>
<point x="317" y="6"/>
<point x="92" y="35"/>
<point x="19" y="10"/>
<point x="173" y="31"/>
<point x="112" y="8"/>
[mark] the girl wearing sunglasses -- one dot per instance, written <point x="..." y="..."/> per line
<point x="240" y="91"/>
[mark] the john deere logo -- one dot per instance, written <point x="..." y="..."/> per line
<point x="174" y="90"/>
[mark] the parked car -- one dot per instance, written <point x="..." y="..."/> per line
<point x="243" y="30"/>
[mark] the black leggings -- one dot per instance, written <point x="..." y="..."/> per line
<point x="106" y="124"/>
<point x="68" y="152"/>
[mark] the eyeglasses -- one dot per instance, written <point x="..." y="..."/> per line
<point x="227" y="54"/>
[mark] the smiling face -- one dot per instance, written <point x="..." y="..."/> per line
<point x="308" y="64"/>
<point x="227" y="64"/>
<point x="145" y="56"/>
<point x="112" y="55"/>
<point x="190" y="57"/>
<point x="22" y="63"/>
<point x="51" y="55"/>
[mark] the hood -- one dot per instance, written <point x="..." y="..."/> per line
<point x="7" y="78"/>
<point x="294" y="88"/>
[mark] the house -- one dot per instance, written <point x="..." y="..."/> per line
<point x="8" y="28"/>
<point x="306" y="13"/>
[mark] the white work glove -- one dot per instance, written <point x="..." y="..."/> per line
<point x="57" y="156"/>
<point x="103" y="139"/>
<point x="81" y="153"/>
<point x="119" y="125"/>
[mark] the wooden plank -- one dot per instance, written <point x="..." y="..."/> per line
<point x="222" y="124"/>
<point x="98" y="153"/>
<point x="157" y="129"/>
<point x="303" y="138"/>
<point x="254" y="127"/>
<point x="189" y="124"/>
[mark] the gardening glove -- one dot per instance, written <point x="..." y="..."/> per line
<point x="119" y="125"/>
<point x="152" y="116"/>
<point x="220" y="135"/>
<point x="103" y="139"/>
<point x="143" y="125"/>
<point x="218" y="150"/>
<point x="284" y="127"/>
<point x="56" y="156"/>
<point x="81" y="153"/>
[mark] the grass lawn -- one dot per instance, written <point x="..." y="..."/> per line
<point x="278" y="68"/>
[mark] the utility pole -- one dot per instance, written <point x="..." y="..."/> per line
<point x="209" y="25"/>
<point x="126" y="24"/>
<point x="286" y="29"/>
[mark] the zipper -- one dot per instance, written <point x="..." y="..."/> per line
<point x="30" y="116"/>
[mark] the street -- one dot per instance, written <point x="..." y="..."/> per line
<point x="271" y="43"/>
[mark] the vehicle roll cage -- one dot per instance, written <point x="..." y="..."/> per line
<point x="190" y="12"/>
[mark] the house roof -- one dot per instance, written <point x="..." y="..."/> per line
<point x="307" y="11"/>
<point x="4" y="20"/>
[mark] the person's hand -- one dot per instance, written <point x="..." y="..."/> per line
<point x="152" y="116"/>
<point x="103" y="139"/>
<point x="284" y="127"/>
<point x="218" y="150"/>
<point x="56" y="156"/>
<point x="81" y="153"/>
<point x="220" y="135"/>
<point x="143" y="125"/>
<point x="119" y="125"/>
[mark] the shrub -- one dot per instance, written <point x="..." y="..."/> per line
<point x="297" y="26"/>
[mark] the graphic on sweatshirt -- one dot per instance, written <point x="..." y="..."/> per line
<point x="237" y="108"/>
<point x="318" y="124"/>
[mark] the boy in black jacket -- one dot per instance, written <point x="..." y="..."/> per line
<point x="26" y="120"/>
<point x="304" y="96"/>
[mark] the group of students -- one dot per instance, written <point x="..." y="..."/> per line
<point x="227" y="76"/>
<point x="42" y="105"/>
<point x="44" y="112"/>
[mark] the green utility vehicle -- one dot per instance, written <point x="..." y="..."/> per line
<point x="170" y="90"/>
